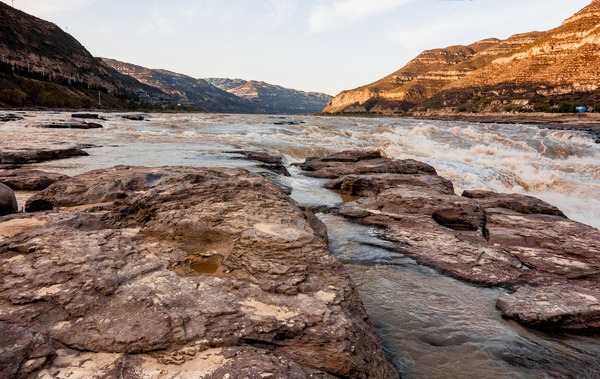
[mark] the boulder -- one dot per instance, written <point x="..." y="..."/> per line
<point x="22" y="351"/>
<point x="179" y="271"/>
<point x="29" y="180"/>
<point x="270" y="162"/>
<point x="483" y="237"/>
<point x="8" y="201"/>
<point x="516" y="202"/>
<point x="357" y="162"/>
<point x="23" y="156"/>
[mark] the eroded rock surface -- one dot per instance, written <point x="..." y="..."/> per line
<point x="22" y="351"/>
<point x="29" y="180"/>
<point x="173" y="271"/>
<point x="361" y="162"/>
<point x="22" y="156"/>
<point x="482" y="237"/>
<point x="269" y="162"/>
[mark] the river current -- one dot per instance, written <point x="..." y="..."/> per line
<point x="432" y="326"/>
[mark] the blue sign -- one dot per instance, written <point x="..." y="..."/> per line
<point x="580" y="109"/>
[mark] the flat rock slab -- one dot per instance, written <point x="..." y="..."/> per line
<point x="178" y="271"/>
<point x="73" y="125"/>
<point x="357" y="162"/>
<point x="23" y="156"/>
<point x="481" y="237"/>
<point x="29" y="180"/>
<point x="571" y="306"/>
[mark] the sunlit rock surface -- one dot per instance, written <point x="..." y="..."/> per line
<point x="173" y="271"/>
<point x="481" y="237"/>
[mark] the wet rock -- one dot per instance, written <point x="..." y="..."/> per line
<point x="271" y="163"/>
<point x="94" y="116"/>
<point x="361" y="162"/>
<point x="10" y="117"/>
<point x="561" y="304"/>
<point x="22" y="351"/>
<point x="481" y="237"/>
<point x="193" y="271"/>
<point x="134" y="117"/>
<point x="23" y="156"/>
<point x="373" y="184"/>
<point x="518" y="203"/>
<point x="73" y="125"/>
<point x="8" y="201"/>
<point x="29" y="180"/>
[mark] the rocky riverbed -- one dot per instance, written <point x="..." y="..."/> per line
<point x="175" y="271"/>
<point x="483" y="237"/>
<point x="431" y="324"/>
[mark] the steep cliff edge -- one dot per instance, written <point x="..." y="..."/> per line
<point x="542" y="67"/>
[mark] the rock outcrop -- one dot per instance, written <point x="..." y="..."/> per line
<point x="29" y="180"/>
<point x="541" y="67"/>
<point x="24" y="156"/>
<point x="8" y="201"/>
<point x="482" y="237"/>
<point x="178" y="271"/>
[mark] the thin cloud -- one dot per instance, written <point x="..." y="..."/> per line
<point x="282" y="11"/>
<point x="49" y="8"/>
<point x="340" y="13"/>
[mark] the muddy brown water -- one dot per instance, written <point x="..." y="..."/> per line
<point x="432" y="326"/>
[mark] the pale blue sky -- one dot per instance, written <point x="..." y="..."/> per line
<point x="311" y="45"/>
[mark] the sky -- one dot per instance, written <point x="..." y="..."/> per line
<point x="311" y="45"/>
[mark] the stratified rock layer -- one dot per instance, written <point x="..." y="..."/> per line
<point x="482" y="237"/>
<point x="173" y="271"/>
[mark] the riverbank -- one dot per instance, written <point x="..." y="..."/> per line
<point x="585" y="121"/>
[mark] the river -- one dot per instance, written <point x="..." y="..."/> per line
<point x="432" y="326"/>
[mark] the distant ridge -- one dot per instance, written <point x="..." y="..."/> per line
<point x="49" y="67"/>
<point x="270" y="98"/>
<point x="531" y="71"/>
<point x="225" y="95"/>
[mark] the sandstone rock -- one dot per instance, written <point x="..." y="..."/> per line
<point x="482" y="237"/>
<point x="94" y="116"/>
<point x="518" y="203"/>
<point x="271" y="163"/>
<point x="195" y="271"/>
<point x="8" y="201"/>
<point x="29" y="180"/>
<point x="561" y="304"/>
<point x="22" y="351"/>
<point x="134" y="117"/>
<point x="10" y="117"/>
<point x="373" y="184"/>
<point x="22" y="156"/>
<point x="361" y="162"/>
<point x="73" y="125"/>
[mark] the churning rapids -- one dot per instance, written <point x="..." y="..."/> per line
<point x="432" y="326"/>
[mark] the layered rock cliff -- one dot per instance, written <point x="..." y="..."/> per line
<point x="547" y="65"/>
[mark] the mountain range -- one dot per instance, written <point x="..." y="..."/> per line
<point x="531" y="71"/>
<point x="41" y="65"/>
<point x="225" y="95"/>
